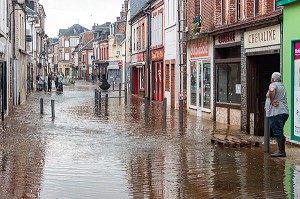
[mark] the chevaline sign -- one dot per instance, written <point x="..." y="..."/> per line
<point x="267" y="36"/>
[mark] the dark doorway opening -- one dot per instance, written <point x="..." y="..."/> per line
<point x="259" y="71"/>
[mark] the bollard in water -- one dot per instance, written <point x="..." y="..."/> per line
<point x="42" y="106"/>
<point x="146" y="109"/>
<point x="181" y="113"/>
<point x="96" y="96"/>
<point x="266" y="136"/>
<point x="106" y="101"/>
<point x="146" y="105"/>
<point x="165" y="112"/>
<point x="125" y="93"/>
<point x="52" y="109"/>
<point x="120" y="89"/>
<point x="99" y="100"/>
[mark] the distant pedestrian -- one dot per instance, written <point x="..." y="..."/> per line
<point x="55" y="80"/>
<point x="40" y="82"/>
<point x="277" y="111"/>
<point x="46" y="82"/>
<point x="49" y="82"/>
<point x="59" y="82"/>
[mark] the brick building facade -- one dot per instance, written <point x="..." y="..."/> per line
<point x="231" y="58"/>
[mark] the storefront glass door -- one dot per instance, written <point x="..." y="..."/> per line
<point x="200" y="86"/>
<point x="200" y="91"/>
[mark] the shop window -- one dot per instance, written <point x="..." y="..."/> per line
<point x="229" y="83"/>
<point x="193" y="80"/>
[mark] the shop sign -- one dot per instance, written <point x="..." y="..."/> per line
<point x="228" y="38"/>
<point x="157" y="54"/>
<point x="263" y="37"/>
<point x="199" y="48"/>
<point x="139" y="57"/>
<point x="297" y="89"/>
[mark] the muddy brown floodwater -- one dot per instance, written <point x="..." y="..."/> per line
<point x="118" y="153"/>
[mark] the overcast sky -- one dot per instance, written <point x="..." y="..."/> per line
<point x="62" y="14"/>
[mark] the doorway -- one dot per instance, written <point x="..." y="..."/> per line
<point x="172" y="85"/>
<point x="158" y="89"/>
<point x="260" y="70"/>
<point x="135" y="81"/>
<point x="200" y="81"/>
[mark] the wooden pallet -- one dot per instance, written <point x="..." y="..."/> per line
<point x="232" y="141"/>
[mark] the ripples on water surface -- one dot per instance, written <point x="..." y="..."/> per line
<point x="116" y="153"/>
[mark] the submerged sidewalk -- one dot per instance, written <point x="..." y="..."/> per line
<point x="121" y="151"/>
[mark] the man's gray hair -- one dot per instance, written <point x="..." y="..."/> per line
<point x="276" y="77"/>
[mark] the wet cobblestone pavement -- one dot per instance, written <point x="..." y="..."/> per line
<point x="118" y="153"/>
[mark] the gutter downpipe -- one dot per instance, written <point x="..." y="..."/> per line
<point x="130" y="51"/>
<point x="148" y="50"/>
<point x="13" y="54"/>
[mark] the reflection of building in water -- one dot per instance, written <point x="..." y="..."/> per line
<point x="21" y="168"/>
<point x="291" y="180"/>
<point x="146" y="176"/>
<point x="242" y="174"/>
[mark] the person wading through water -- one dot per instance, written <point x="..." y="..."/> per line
<point x="277" y="111"/>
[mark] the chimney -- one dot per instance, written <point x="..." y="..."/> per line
<point x="123" y="15"/>
<point x="125" y="5"/>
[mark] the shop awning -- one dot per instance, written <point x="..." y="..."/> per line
<point x="113" y="67"/>
<point x="98" y="61"/>
<point x="284" y="2"/>
<point x="138" y="64"/>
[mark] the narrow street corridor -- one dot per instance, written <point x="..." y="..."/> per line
<point x="119" y="153"/>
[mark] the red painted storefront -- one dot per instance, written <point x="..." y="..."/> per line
<point x="157" y="57"/>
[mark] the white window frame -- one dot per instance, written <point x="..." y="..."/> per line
<point x="67" y="44"/>
<point x="67" y="56"/>
<point x="171" y="12"/>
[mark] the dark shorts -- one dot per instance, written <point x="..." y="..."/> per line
<point x="277" y="124"/>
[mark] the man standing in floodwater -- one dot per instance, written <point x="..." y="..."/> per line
<point x="277" y="111"/>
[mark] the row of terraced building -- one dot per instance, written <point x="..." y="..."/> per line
<point x="216" y="56"/>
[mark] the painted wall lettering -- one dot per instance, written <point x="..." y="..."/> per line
<point x="262" y="37"/>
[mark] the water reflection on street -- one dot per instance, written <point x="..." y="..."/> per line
<point x="119" y="153"/>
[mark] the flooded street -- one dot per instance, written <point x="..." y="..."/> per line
<point x="118" y="153"/>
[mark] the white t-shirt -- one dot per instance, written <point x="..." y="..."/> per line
<point x="281" y="97"/>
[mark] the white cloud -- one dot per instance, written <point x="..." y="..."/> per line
<point x="62" y="14"/>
